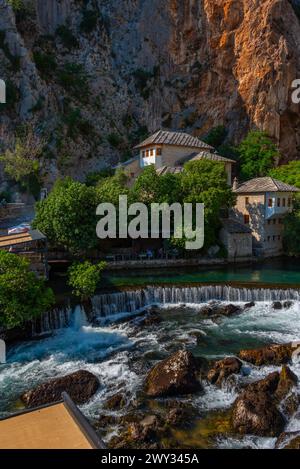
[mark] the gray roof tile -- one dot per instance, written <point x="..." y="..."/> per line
<point x="163" y="137"/>
<point x="265" y="184"/>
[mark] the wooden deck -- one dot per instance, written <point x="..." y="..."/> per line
<point x="58" y="426"/>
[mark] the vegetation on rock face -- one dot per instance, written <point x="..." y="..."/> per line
<point x="22" y="295"/>
<point x="22" y="164"/>
<point x="73" y="78"/>
<point x="258" y="154"/>
<point x="67" y="37"/>
<point x="85" y="277"/>
<point x="289" y="173"/>
<point x="216" y="136"/>
<point x="68" y="216"/>
<point x="45" y="63"/>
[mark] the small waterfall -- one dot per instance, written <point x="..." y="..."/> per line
<point x="57" y="318"/>
<point x="111" y="304"/>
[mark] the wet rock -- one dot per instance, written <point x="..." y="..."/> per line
<point x="80" y="386"/>
<point x="266" y="385"/>
<point x="140" y="434"/>
<point x="116" y="402"/>
<point x="151" y="319"/>
<point x="230" y="310"/>
<point x="176" y="375"/>
<point x="222" y="369"/>
<point x="105" y="421"/>
<point x="277" y="305"/>
<point x="256" y="413"/>
<point x="288" y="440"/>
<point x="206" y="311"/>
<point x="287" y="381"/>
<point x="249" y="305"/>
<point x="288" y="304"/>
<point x="220" y="310"/>
<point x="256" y="410"/>
<point x="180" y="415"/>
<point x="291" y="404"/>
<point x="270" y="355"/>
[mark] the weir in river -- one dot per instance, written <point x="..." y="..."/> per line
<point x="111" y="305"/>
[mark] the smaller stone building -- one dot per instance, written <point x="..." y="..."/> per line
<point x="237" y="239"/>
<point x="261" y="205"/>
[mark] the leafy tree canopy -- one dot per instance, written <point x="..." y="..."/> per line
<point x="85" y="277"/>
<point x="68" y="216"/>
<point x="22" y="295"/>
<point x="288" y="173"/>
<point x="205" y="182"/>
<point x="258" y="154"/>
<point x="110" y="188"/>
<point x="150" y="188"/>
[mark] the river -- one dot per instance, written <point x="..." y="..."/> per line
<point x="121" y="352"/>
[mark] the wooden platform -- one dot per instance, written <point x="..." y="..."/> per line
<point x="58" y="426"/>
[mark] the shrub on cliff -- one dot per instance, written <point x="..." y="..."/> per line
<point x="258" y="154"/>
<point x="68" y="216"/>
<point x="85" y="277"/>
<point x="22" y="295"/>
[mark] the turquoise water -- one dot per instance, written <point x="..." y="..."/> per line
<point x="275" y="272"/>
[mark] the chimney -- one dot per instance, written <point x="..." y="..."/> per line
<point x="235" y="184"/>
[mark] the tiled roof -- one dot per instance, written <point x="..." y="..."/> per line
<point x="265" y="184"/>
<point x="126" y="163"/>
<point x="163" y="137"/>
<point x="207" y="155"/>
<point x="169" y="170"/>
<point x="233" y="226"/>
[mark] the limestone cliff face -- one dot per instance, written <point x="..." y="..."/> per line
<point x="145" y="64"/>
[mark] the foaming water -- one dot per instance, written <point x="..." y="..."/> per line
<point x="119" y="354"/>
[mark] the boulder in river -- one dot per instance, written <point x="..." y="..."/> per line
<point x="222" y="369"/>
<point x="256" y="413"/>
<point x="277" y="305"/>
<point x="80" y="386"/>
<point x="116" y="402"/>
<point x="216" y="309"/>
<point x="287" y="381"/>
<point x="288" y="440"/>
<point x="270" y="355"/>
<point x="249" y="305"/>
<point x="256" y="410"/>
<point x="176" y="375"/>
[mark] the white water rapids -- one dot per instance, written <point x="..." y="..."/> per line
<point x="116" y="352"/>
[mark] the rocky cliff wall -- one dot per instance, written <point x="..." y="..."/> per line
<point x="94" y="88"/>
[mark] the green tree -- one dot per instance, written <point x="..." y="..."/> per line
<point x="22" y="295"/>
<point x="110" y="188"/>
<point x="149" y="187"/>
<point x="216" y="136"/>
<point x="22" y="164"/>
<point x="291" y="239"/>
<point x="258" y="154"/>
<point x="85" y="277"/>
<point x="205" y="182"/>
<point x="68" y="216"/>
<point x="288" y="173"/>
